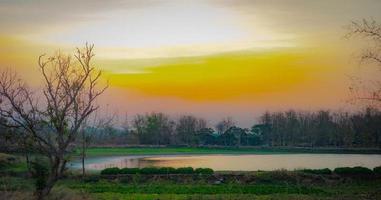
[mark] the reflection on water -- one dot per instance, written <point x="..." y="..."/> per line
<point x="237" y="162"/>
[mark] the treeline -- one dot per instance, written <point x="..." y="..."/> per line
<point x="289" y="128"/>
<point x="322" y="128"/>
<point x="279" y="129"/>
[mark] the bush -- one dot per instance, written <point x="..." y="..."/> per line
<point x="129" y="171"/>
<point x="206" y="171"/>
<point x="377" y="170"/>
<point x="348" y="171"/>
<point x="91" y="179"/>
<point x="6" y="160"/>
<point x="276" y="177"/>
<point x="185" y="170"/>
<point x="110" y="171"/>
<point x="324" y="171"/>
<point x="167" y="170"/>
<point x="3" y="164"/>
<point x="150" y="170"/>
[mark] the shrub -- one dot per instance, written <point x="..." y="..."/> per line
<point x="185" y="170"/>
<point x="110" y="171"/>
<point x="377" y="170"/>
<point x="150" y="170"/>
<point x="317" y="171"/>
<point x="91" y="179"/>
<point x="353" y="171"/>
<point x="3" y="164"/>
<point x="167" y="170"/>
<point x="206" y="171"/>
<point x="6" y="160"/>
<point x="129" y="171"/>
<point x="276" y="177"/>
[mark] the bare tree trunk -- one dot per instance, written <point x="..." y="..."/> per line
<point x="42" y="194"/>
<point x="28" y="166"/>
<point x="52" y="178"/>
<point x="83" y="155"/>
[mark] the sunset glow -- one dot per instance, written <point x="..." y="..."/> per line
<point x="207" y="57"/>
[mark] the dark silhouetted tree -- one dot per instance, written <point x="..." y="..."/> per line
<point x="54" y="121"/>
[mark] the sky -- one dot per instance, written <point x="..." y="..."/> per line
<point x="209" y="58"/>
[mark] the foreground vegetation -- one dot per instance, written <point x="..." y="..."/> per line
<point x="259" y="185"/>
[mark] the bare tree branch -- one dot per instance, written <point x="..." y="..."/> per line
<point x="70" y="90"/>
<point x="368" y="30"/>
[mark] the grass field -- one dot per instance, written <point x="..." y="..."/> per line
<point x="275" y="188"/>
<point x="118" y="151"/>
<point x="285" y="190"/>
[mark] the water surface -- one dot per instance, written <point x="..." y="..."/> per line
<point x="236" y="162"/>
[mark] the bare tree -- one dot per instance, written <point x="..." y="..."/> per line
<point x="153" y="128"/>
<point x="187" y="127"/>
<point x="71" y="86"/>
<point x="368" y="30"/>
<point x="224" y="125"/>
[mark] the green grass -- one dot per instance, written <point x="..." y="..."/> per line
<point x="108" y="196"/>
<point x="10" y="183"/>
<point x="171" y="188"/>
<point x="119" y="151"/>
<point x="155" y="189"/>
<point x="167" y="190"/>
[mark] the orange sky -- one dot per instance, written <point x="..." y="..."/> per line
<point x="205" y="57"/>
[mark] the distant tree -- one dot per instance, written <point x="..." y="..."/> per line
<point x="153" y="128"/>
<point x="256" y="134"/>
<point x="228" y="138"/>
<point x="224" y="125"/>
<point x="278" y="129"/>
<point x="367" y="126"/>
<point x="292" y="128"/>
<point x="235" y="135"/>
<point x="161" y="127"/>
<point x="187" y="128"/>
<point x="54" y="122"/>
<point x="138" y="128"/>
<point x="206" y="137"/>
<point x="130" y="136"/>
<point x="264" y="128"/>
<point x="325" y="127"/>
<point x="321" y="128"/>
<point x="344" y="130"/>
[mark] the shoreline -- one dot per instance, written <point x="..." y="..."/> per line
<point x="161" y="150"/>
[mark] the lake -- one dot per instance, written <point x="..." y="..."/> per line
<point x="235" y="162"/>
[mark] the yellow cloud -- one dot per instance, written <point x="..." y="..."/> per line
<point x="223" y="76"/>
